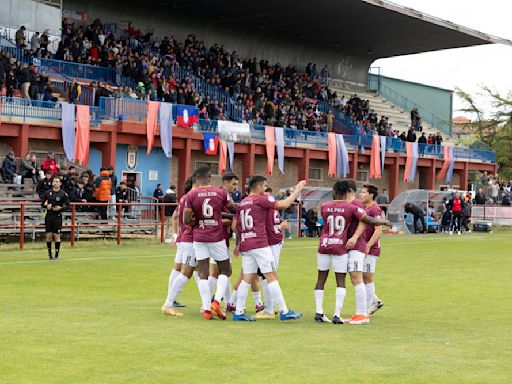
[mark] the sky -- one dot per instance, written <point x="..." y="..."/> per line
<point x="464" y="68"/>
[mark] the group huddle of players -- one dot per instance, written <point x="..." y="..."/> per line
<point x="206" y="215"/>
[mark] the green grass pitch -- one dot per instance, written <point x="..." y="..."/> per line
<point x="94" y="317"/>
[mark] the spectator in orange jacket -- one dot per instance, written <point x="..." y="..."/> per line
<point x="50" y="164"/>
<point x="103" y="191"/>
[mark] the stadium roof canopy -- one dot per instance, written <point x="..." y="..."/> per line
<point x="359" y="27"/>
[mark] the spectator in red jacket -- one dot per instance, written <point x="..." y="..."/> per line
<point x="50" y="164"/>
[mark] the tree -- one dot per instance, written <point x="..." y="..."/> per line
<point x="494" y="127"/>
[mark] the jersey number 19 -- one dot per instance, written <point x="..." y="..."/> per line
<point x="336" y="225"/>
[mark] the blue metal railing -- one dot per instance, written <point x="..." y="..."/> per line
<point x="38" y="109"/>
<point x="128" y="109"/>
<point x="375" y="84"/>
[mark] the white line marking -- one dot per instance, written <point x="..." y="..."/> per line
<point x="171" y="254"/>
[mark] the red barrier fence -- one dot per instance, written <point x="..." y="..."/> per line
<point x="29" y="216"/>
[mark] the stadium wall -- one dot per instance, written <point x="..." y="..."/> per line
<point x="247" y="43"/>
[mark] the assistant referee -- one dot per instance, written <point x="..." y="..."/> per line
<point x="55" y="201"/>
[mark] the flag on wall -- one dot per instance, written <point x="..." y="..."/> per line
<point x="166" y="128"/>
<point x="231" y="155"/>
<point x="222" y="156"/>
<point x="375" y="167"/>
<point x="280" y="147"/>
<point x="411" y="163"/>
<point x="449" y="173"/>
<point x="342" y="163"/>
<point x="82" y="137"/>
<point x="68" y="130"/>
<point x="446" y="164"/>
<point x="211" y="143"/>
<point x="187" y="116"/>
<point x="151" y="121"/>
<point x="271" y="148"/>
<point x="331" y="145"/>
<point x="383" y="143"/>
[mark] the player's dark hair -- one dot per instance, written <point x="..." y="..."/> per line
<point x="187" y="186"/>
<point x="228" y="176"/>
<point x="202" y="174"/>
<point x="269" y="190"/>
<point x="372" y="189"/>
<point x="255" y="180"/>
<point x="340" y="189"/>
<point x="352" y="185"/>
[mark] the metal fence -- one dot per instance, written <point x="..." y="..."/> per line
<point x="38" y="109"/>
<point x="24" y="218"/>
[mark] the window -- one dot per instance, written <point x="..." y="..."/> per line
<point x="316" y="174"/>
<point x="362" y="176"/>
<point x="214" y="167"/>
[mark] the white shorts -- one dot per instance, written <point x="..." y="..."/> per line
<point x="213" y="262"/>
<point x="185" y="254"/>
<point x="355" y="261"/>
<point x="261" y="258"/>
<point x="276" y="252"/>
<point x="217" y="251"/>
<point x="369" y="263"/>
<point x="339" y="262"/>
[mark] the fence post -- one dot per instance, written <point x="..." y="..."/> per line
<point x="72" y="239"/>
<point x="300" y="220"/>
<point x="22" y="225"/>
<point x="162" y="223"/>
<point x="119" y="210"/>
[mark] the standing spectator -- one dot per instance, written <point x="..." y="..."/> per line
<point x="466" y="214"/>
<point x="506" y="200"/>
<point x="28" y="171"/>
<point x="311" y="221"/>
<point x="50" y="164"/>
<point x="495" y="189"/>
<point x="158" y="193"/>
<point x="383" y="201"/>
<point x="20" y="37"/>
<point x="422" y="144"/>
<point x="44" y="41"/>
<point x="456" y="206"/>
<point x="113" y="179"/>
<point x="103" y="190"/>
<point x="480" y="197"/>
<point x="9" y="168"/>
<point x="34" y="42"/>
<point x="10" y="84"/>
<point x="25" y="82"/>
<point x="74" y="92"/>
<point x="411" y="136"/>
<point x="169" y="197"/>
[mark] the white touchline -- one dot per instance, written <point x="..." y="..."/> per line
<point x="171" y="254"/>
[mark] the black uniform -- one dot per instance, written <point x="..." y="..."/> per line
<point x="44" y="186"/>
<point x="53" y="219"/>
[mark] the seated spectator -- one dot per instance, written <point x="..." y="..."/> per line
<point x="45" y="184"/>
<point x="50" y="164"/>
<point x="9" y="168"/>
<point x="506" y="200"/>
<point x="28" y="170"/>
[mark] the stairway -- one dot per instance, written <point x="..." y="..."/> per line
<point x="400" y="118"/>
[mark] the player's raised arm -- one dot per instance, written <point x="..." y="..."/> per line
<point x="283" y="204"/>
<point x="375" y="222"/>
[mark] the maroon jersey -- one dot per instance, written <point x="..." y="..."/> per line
<point x="338" y="216"/>
<point x="274" y="233"/>
<point x="185" y="231"/>
<point x="227" y="231"/>
<point x="251" y="221"/>
<point x="207" y="205"/>
<point x="361" y="242"/>
<point x="373" y="211"/>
